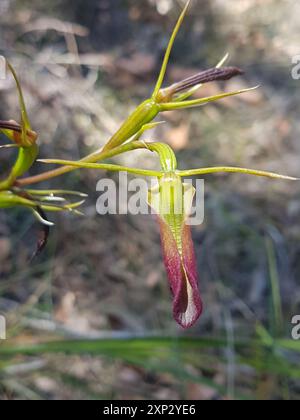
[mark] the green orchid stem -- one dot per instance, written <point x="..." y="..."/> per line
<point x="171" y="106"/>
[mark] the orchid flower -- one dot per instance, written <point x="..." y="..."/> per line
<point x="171" y="200"/>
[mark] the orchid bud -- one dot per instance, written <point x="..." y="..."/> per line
<point x="211" y="75"/>
<point x="13" y="131"/>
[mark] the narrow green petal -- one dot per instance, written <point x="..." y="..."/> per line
<point x="169" y="106"/>
<point x="103" y="167"/>
<point x="222" y="61"/>
<point x="56" y="192"/>
<point x="230" y="169"/>
<point x="169" y="50"/>
<point x="9" y="146"/>
<point x="24" y="115"/>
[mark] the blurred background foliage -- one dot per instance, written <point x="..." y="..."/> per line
<point x="91" y="318"/>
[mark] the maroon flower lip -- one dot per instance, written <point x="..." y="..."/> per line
<point x="172" y="201"/>
<point x="182" y="274"/>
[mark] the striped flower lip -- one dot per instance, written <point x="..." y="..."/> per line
<point x="206" y="76"/>
<point x="172" y="202"/>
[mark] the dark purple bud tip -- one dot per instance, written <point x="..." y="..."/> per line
<point x="10" y="125"/>
<point x="182" y="274"/>
<point x="206" y="76"/>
